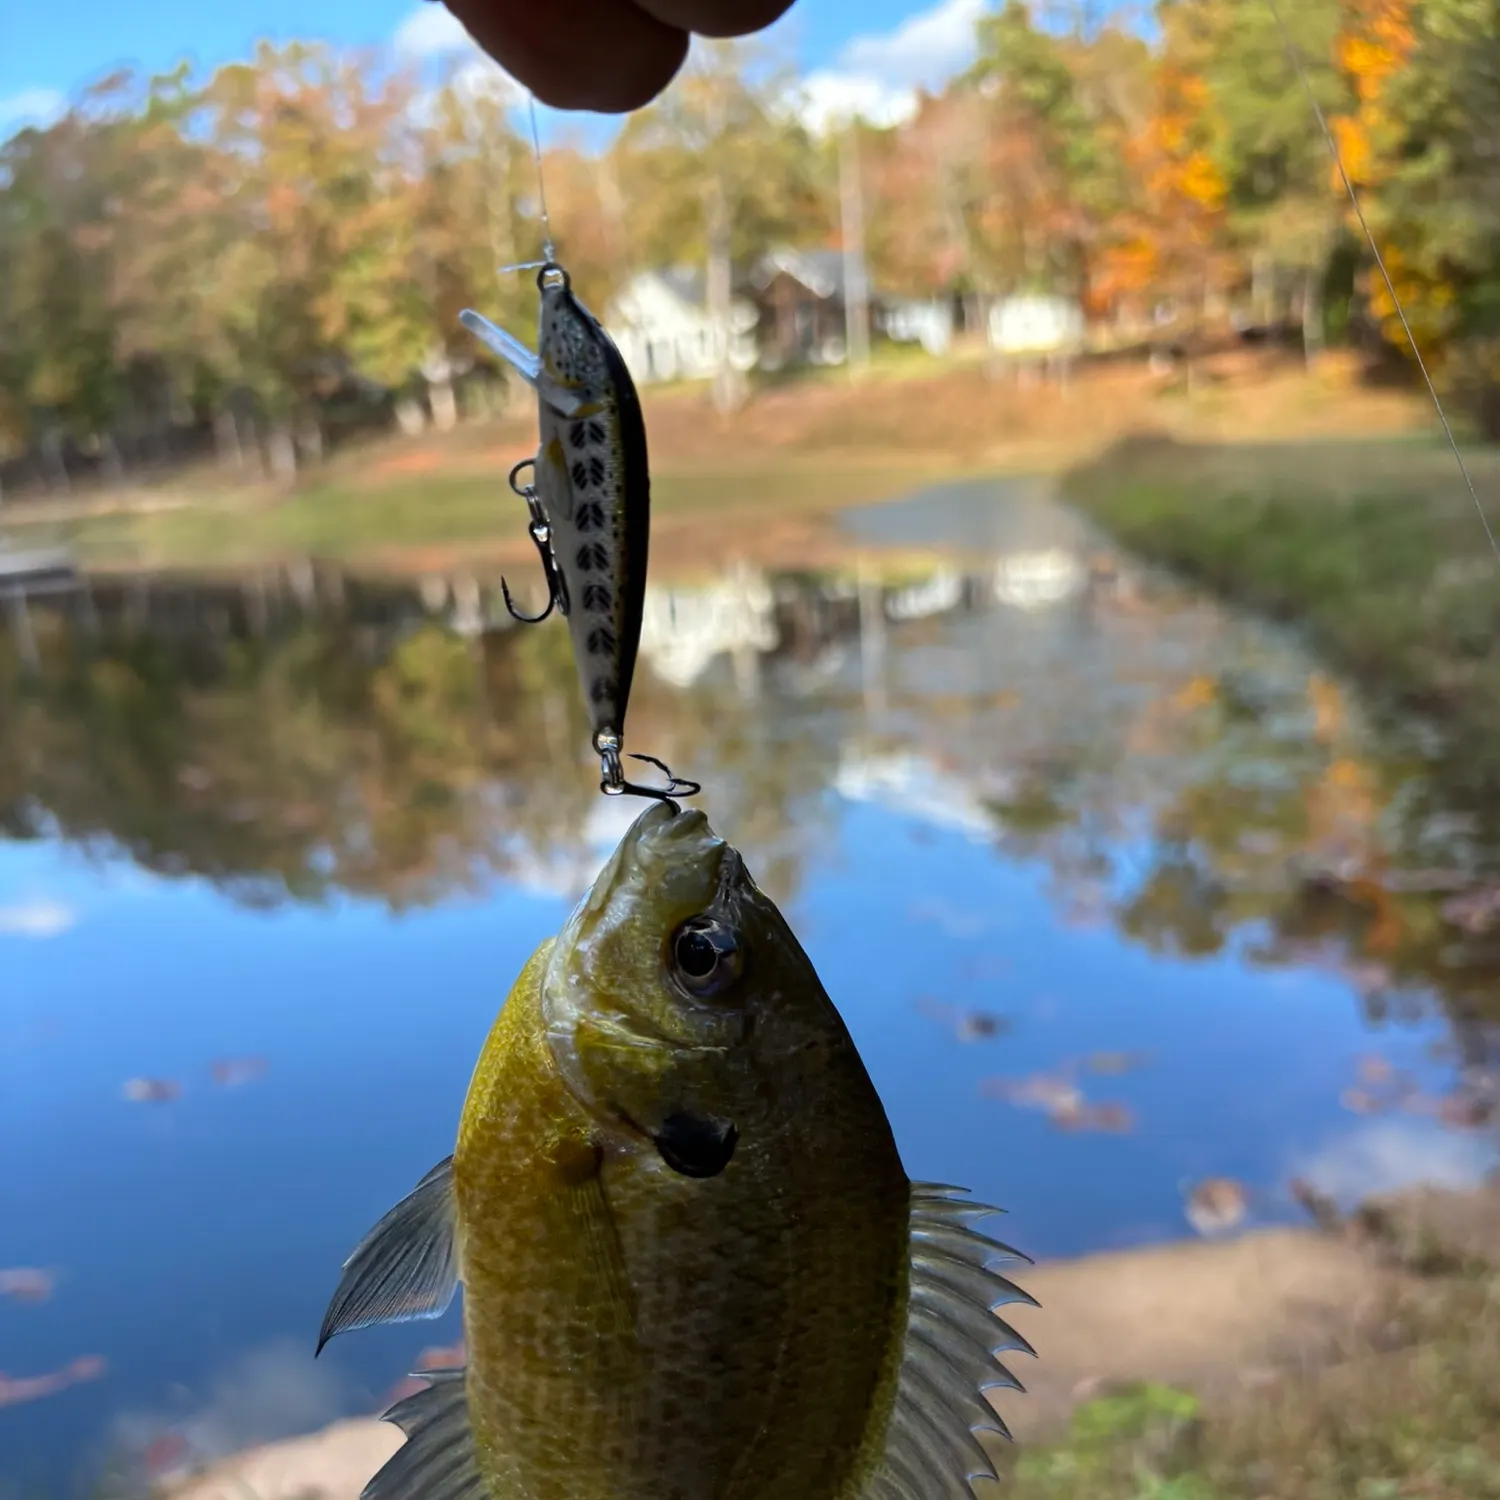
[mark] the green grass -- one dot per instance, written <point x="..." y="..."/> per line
<point x="1374" y="550"/>
<point x="1419" y="1423"/>
<point x="355" y="522"/>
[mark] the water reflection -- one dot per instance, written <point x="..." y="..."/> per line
<point x="1120" y="894"/>
<point x="302" y="733"/>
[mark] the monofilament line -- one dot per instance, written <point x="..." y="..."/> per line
<point x="541" y="185"/>
<point x="1295" y="54"/>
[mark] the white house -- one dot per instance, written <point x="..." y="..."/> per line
<point x="661" y="323"/>
<point x="1036" y="326"/>
<point x="684" y="629"/>
<point x="911" y="321"/>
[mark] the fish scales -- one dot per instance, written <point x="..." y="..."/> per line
<point x="693" y="1266"/>
<point x="774" y="1314"/>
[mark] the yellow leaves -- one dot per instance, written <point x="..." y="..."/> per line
<point x="1197" y="692"/>
<point x="1346" y="776"/>
<point x="1201" y="181"/>
<point x="1353" y="140"/>
<point x="1327" y="706"/>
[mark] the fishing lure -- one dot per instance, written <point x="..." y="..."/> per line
<point x="589" y="495"/>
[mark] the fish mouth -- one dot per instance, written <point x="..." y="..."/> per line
<point x="664" y="842"/>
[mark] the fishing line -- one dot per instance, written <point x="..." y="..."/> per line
<point x="1295" y="54"/>
<point x="541" y="184"/>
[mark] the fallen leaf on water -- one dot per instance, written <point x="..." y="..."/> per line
<point x="1110" y="1118"/>
<point x="980" y="1025"/>
<point x="231" y="1072"/>
<point x="27" y="1284"/>
<point x="151" y="1090"/>
<point x="1112" y="1064"/>
<point x="1466" y="1111"/>
<point x="163" y="1454"/>
<point x="1216" y="1205"/>
<point x="14" y="1390"/>
<point x="1043" y="1091"/>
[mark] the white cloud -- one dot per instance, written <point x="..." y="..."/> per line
<point x="927" y="48"/>
<point x="31" y="107"/>
<point x="876" y="76"/>
<point x="479" y="78"/>
<point x="36" y="919"/>
<point x="1391" y="1155"/>
<point x="830" y="98"/>
<point x="432" y="30"/>
<point x="432" y="33"/>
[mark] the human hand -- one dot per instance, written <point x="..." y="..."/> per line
<point x="605" y="55"/>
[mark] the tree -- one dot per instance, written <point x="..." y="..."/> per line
<point x="714" y="170"/>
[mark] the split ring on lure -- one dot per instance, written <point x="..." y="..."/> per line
<point x="589" y="497"/>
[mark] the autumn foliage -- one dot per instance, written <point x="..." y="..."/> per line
<point x="296" y="233"/>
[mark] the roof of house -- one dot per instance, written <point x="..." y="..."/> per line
<point x="685" y="282"/>
<point x="820" y="271"/>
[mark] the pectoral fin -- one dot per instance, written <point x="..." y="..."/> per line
<point x="593" y="1225"/>
<point x="526" y="364"/>
<point x="951" y="1353"/>
<point x="438" y="1459"/>
<point x="406" y="1267"/>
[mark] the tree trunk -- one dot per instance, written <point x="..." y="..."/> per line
<point x="281" y="452"/>
<point x="410" y="417"/>
<point x="1312" y="316"/>
<point x="58" y="479"/>
<point x="728" y="382"/>
<point x="1260" y="287"/>
<point x="114" y="470"/>
<point x="444" y="404"/>
<point x="856" y="287"/>
<point x="310" y="440"/>
<point x="227" y="442"/>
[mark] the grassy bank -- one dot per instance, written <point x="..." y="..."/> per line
<point x="1414" y="1417"/>
<point x="799" y="449"/>
<point x="1374" y="549"/>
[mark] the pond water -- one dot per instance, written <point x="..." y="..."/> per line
<point x="1117" y="890"/>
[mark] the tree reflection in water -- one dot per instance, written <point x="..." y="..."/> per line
<point x="296" y="736"/>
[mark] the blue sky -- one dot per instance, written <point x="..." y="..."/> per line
<point x="864" y="54"/>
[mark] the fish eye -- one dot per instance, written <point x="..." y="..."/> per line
<point x="705" y="955"/>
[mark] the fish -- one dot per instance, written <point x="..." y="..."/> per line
<point x="692" y="1262"/>
<point x="590" y="494"/>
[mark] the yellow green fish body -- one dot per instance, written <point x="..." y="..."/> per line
<point x="693" y="1266"/>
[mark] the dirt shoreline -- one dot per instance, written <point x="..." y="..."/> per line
<point x="1225" y="1319"/>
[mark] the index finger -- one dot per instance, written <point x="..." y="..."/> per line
<point x="717" y="17"/>
<point x="610" y="56"/>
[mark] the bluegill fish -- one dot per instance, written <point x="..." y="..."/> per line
<point x="590" y="493"/>
<point x="693" y="1266"/>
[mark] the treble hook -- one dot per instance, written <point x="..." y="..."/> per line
<point x="614" y="784"/>
<point x="541" y="535"/>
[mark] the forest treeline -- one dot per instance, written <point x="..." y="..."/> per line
<point x="257" y="255"/>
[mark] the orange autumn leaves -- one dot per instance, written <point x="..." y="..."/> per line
<point x="1170" y="242"/>
<point x="1375" y="43"/>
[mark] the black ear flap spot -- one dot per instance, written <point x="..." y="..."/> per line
<point x="694" y="1147"/>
